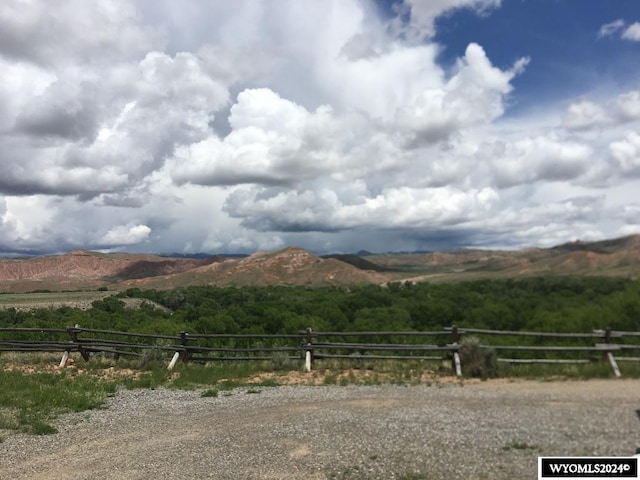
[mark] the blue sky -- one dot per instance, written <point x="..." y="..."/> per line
<point x="334" y="125"/>
<point x="568" y="57"/>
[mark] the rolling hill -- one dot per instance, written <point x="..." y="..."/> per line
<point x="83" y="270"/>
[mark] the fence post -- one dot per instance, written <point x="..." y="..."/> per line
<point x="609" y="353"/>
<point x="185" y="349"/>
<point x="308" y="351"/>
<point x="73" y="333"/>
<point x="456" y="356"/>
<point x="64" y="359"/>
<point x="173" y="361"/>
<point x="183" y="352"/>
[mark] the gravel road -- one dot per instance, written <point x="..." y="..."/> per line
<point x="479" y="430"/>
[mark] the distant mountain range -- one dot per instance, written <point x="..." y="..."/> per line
<point x="294" y="266"/>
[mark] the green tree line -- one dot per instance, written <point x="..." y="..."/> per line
<point x="553" y="304"/>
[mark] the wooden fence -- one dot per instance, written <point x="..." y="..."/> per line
<point x="309" y="346"/>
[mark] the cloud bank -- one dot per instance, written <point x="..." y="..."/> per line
<point x="236" y="126"/>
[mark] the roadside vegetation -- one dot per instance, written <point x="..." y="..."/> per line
<point x="35" y="391"/>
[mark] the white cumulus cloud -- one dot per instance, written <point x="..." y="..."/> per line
<point x="339" y="124"/>
<point x="632" y="32"/>
<point x="423" y="14"/>
<point x="530" y="160"/>
<point x="626" y="153"/>
<point x="610" y="28"/>
<point x="126" y="235"/>
<point x="619" y="26"/>
<point x="475" y="95"/>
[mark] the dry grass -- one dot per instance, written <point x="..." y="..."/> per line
<point x="51" y="300"/>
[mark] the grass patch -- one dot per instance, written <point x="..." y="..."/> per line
<point x="151" y="379"/>
<point x="192" y="376"/>
<point x="29" y="358"/>
<point x="51" y="299"/>
<point x="377" y="372"/>
<point x="29" y="402"/>
<point x="330" y="379"/>
<point x="268" y="382"/>
<point x="585" y="371"/>
<point x="228" y="385"/>
<point x="210" y="393"/>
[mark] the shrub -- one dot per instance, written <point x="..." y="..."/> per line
<point x="477" y="361"/>
<point x="151" y="357"/>
<point x="280" y="361"/>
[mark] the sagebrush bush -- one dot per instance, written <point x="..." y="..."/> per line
<point x="280" y="361"/>
<point x="151" y="356"/>
<point x="477" y="361"/>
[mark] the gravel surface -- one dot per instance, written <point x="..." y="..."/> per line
<point x="479" y="430"/>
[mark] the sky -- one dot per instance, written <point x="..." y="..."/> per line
<point x="333" y="125"/>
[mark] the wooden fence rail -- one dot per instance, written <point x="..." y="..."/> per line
<point x="308" y="346"/>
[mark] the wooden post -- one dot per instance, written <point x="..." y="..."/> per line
<point x="73" y="333"/>
<point x="308" y="353"/>
<point x="185" y="352"/>
<point x="607" y="335"/>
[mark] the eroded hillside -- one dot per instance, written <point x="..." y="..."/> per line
<point x="81" y="270"/>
